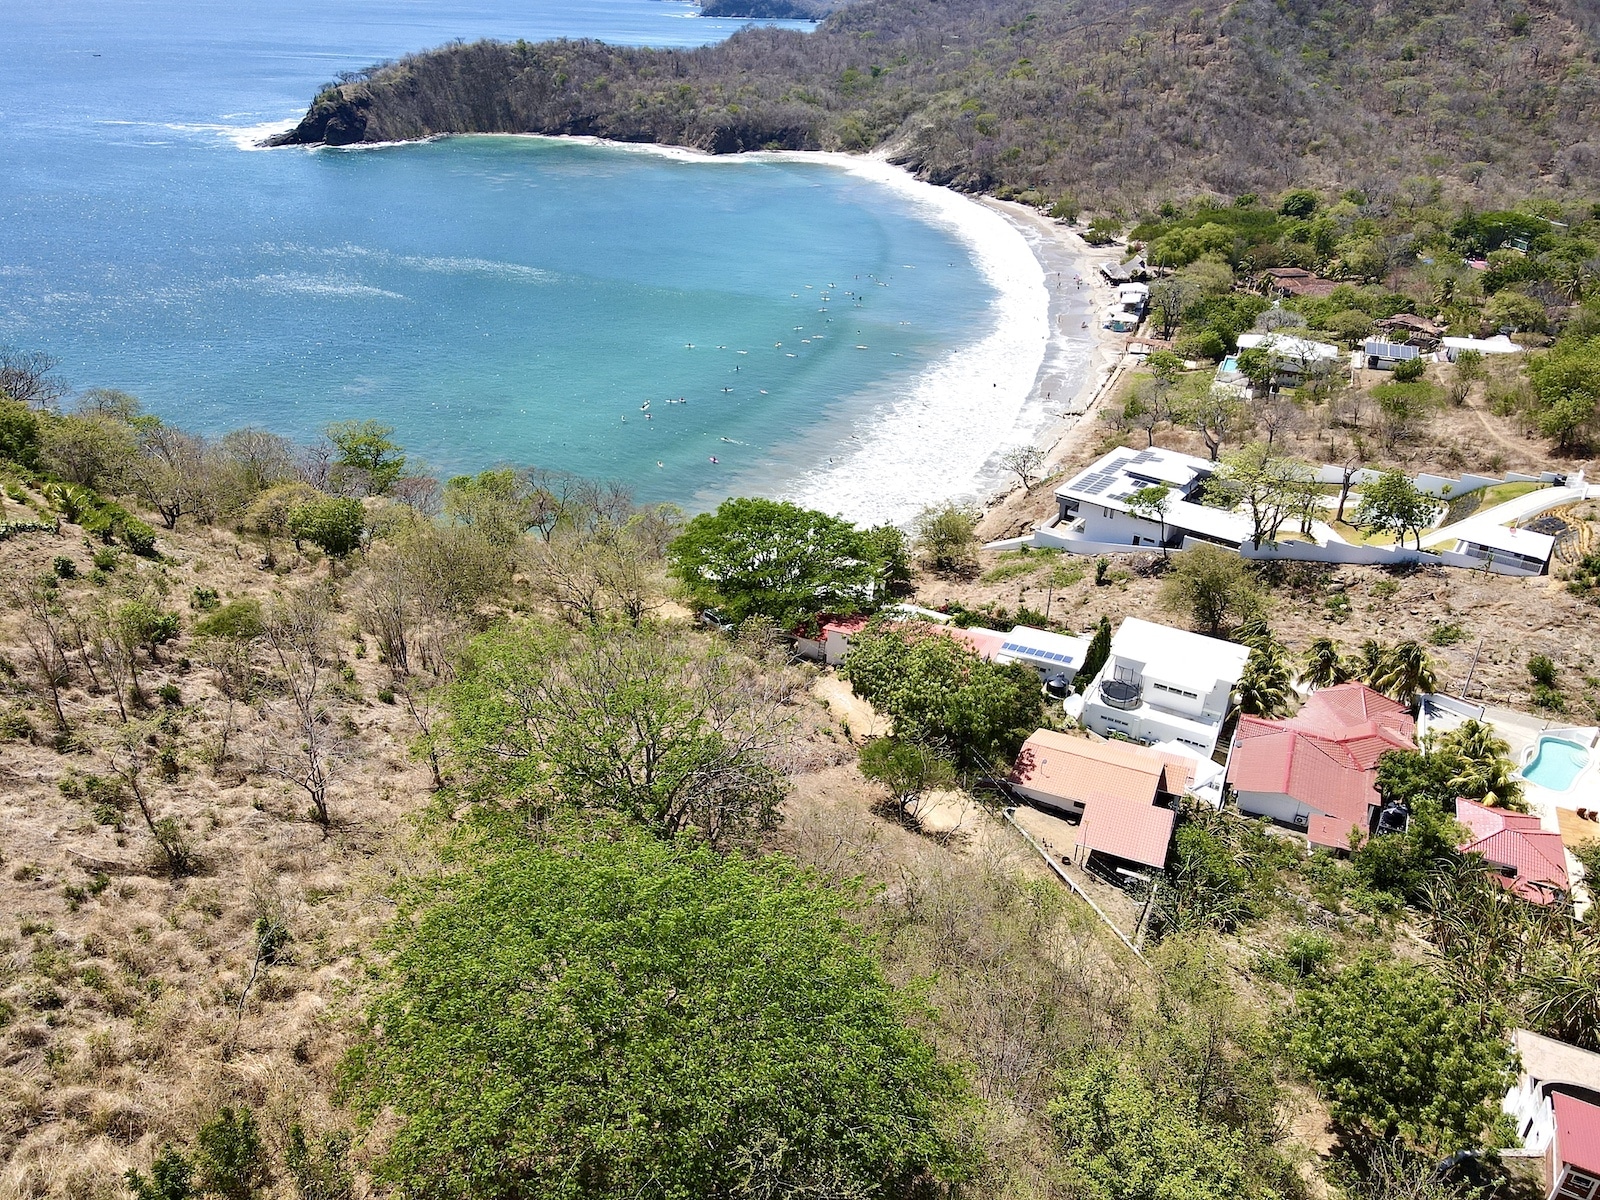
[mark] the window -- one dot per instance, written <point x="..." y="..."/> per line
<point x="1163" y="687"/>
<point x="1577" y="1185"/>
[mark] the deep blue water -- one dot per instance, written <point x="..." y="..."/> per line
<point x="495" y="299"/>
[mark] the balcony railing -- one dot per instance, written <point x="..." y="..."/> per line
<point x="1122" y="693"/>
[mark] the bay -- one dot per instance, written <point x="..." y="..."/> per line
<point x="694" y="328"/>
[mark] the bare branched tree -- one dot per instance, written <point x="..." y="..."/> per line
<point x="304" y="744"/>
<point x="29" y="376"/>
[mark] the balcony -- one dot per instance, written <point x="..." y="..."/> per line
<point x="1125" y="694"/>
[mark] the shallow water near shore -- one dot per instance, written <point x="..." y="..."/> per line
<point x="694" y="328"/>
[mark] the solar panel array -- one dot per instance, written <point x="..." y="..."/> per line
<point x="1035" y="652"/>
<point x="1098" y="481"/>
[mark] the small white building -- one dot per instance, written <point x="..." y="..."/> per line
<point x="1514" y="551"/>
<point x="1162" y="684"/>
<point x="1499" y="344"/>
<point x="1094" y="502"/>
<point x="1053" y="655"/>
<point x="1294" y="357"/>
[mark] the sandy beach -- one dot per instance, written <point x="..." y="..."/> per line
<point x="1082" y="358"/>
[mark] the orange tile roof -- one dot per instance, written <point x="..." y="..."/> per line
<point x="1139" y="833"/>
<point x="1076" y="768"/>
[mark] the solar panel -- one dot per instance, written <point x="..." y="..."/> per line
<point x="1035" y="652"/>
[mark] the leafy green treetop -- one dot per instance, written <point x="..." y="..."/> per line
<point x="1397" y="1057"/>
<point x="779" y="560"/>
<point x="366" y="455"/>
<point x="940" y="693"/>
<point x="619" y="1017"/>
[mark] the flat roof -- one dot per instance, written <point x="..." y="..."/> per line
<point x="1024" y="641"/>
<point x="1499" y="344"/>
<point x="1114" y="476"/>
<point x="1212" y="522"/>
<point x="1283" y="343"/>
<point x="1550" y="1061"/>
<point x="1175" y="655"/>
<point x="1502" y="537"/>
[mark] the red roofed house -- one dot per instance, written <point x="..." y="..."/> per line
<point x="1318" y="770"/>
<point x="1115" y="787"/>
<point x="1572" y="1162"/>
<point x="1531" y="860"/>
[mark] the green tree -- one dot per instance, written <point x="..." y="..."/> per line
<point x="1212" y="587"/>
<point x="1395" y="1055"/>
<point x="1266" y="686"/>
<point x="621" y="1016"/>
<point x="1216" y="416"/>
<point x="940" y="693"/>
<point x="674" y="733"/>
<point x="1508" y="309"/>
<point x="229" y="1159"/>
<point x="1566" y="385"/>
<point x="334" y="524"/>
<point x="1407" y="672"/>
<point x="906" y="770"/>
<point x="20" y="437"/>
<point x="500" y="504"/>
<point x="1152" y="503"/>
<point x="947" y="537"/>
<point x="366" y="456"/>
<point x="1266" y="484"/>
<point x="780" y="560"/>
<point x="171" y="1177"/>
<point x="1481" y="763"/>
<point x="1393" y="504"/>
<point x="1095" y="657"/>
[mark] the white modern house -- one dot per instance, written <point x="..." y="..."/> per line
<point x="1164" y="685"/>
<point x="1293" y="357"/>
<point x="1093" y="504"/>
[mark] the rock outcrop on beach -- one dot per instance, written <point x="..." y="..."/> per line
<point x="1093" y="100"/>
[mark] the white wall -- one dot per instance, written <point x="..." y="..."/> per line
<point x="1272" y="804"/>
<point x="1050" y="800"/>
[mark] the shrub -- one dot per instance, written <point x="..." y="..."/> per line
<point x="1543" y="669"/>
<point x="64" y="567"/>
<point x="1409" y="371"/>
<point x="204" y="598"/>
<point x="170" y="695"/>
<point x="238" y="619"/>
<point x="105" y="559"/>
<point x="137" y="536"/>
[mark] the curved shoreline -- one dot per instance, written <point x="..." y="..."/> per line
<point x="1045" y="358"/>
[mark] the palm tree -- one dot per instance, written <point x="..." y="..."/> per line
<point x="1406" y="671"/>
<point x="1267" y="683"/>
<point x="1485" y="770"/>
<point x="1368" y="663"/>
<point x="1323" y="667"/>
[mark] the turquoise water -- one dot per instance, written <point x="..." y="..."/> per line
<point x="495" y="299"/>
<point x="1557" y="765"/>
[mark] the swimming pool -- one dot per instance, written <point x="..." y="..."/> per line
<point x="1230" y="366"/>
<point x="1557" y="764"/>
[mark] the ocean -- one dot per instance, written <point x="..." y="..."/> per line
<point x="773" y="324"/>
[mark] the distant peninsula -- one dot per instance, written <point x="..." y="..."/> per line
<point x="769" y="10"/>
<point x="1092" y="102"/>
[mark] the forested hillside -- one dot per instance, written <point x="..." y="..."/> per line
<point x="1088" y="100"/>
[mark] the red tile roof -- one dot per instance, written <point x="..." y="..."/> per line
<point x="847" y="625"/>
<point x="1364" y="721"/>
<point x="1325" y="757"/>
<point x="1136" y="832"/>
<point x="1577" y="1133"/>
<point x="1515" y="841"/>
<point x="986" y="642"/>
